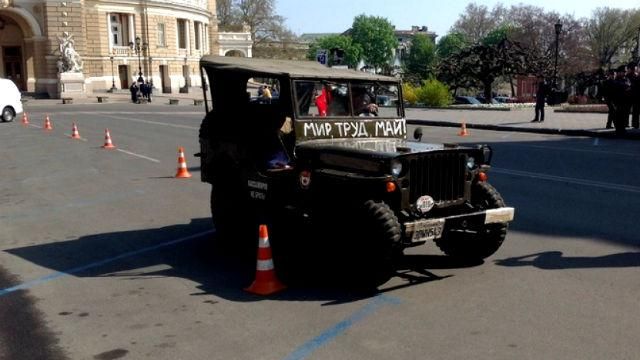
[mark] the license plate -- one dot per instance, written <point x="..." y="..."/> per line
<point x="424" y="230"/>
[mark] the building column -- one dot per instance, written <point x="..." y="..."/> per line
<point x="132" y="28"/>
<point x="109" y="32"/>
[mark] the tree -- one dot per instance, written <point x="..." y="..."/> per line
<point x="609" y="32"/>
<point x="227" y="16"/>
<point x="421" y="57"/>
<point x="451" y="44"/>
<point x="480" y="65"/>
<point x="376" y="38"/>
<point x="352" y="52"/>
<point x="497" y="35"/>
<point x="259" y="15"/>
<point x="477" y="21"/>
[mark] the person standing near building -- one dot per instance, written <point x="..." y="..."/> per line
<point x="621" y="100"/>
<point x="134" y="92"/>
<point x="606" y="93"/>
<point x="634" y="80"/>
<point x="541" y="96"/>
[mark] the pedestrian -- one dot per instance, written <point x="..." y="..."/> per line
<point x="143" y="90"/>
<point x="149" y="91"/>
<point x="266" y="95"/>
<point x="134" y="92"/>
<point x="606" y="94"/>
<point x="634" y="80"/>
<point x="541" y="96"/>
<point x="621" y="100"/>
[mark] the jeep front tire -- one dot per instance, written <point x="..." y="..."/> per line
<point x="480" y="243"/>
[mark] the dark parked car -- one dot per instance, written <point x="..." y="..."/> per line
<point x="482" y="100"/>
<point x="466" y="100"/>
<point x="333" y="179"/>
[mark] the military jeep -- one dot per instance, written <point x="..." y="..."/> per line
<point x="324" y="160"/>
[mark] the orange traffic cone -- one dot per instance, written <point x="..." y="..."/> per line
<point x="47" y="123"/>
<point x="182" y="165"/>
<point x="107" y="140"/>
<point x="74" y="132"/>
<point x="266" y="282"/>
<point x="463" y="130"/>
<point x="25" y="119"/>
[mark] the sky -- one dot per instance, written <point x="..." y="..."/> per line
<point x="332" y="16"/>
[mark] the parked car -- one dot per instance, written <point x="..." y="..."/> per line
<point x="466" y="100"/>
<point x="482" y="100"/>
<point x="505" y="99"/>
<point x="10" y="100"/>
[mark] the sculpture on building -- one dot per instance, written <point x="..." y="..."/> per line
<point x="69" y="60"/>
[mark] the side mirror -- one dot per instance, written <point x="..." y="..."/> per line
<point x="417" y="134"/>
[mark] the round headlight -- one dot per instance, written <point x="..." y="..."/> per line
<point x="471" y="162"/>
<point x="396" y="168"/>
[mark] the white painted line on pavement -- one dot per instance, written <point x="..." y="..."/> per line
<point x="36" y="126"/>
<point x="598" y="184"/>
<point x="574" y="150"/>
<point x="154" y="122"/>
<point x="138" y="155"/>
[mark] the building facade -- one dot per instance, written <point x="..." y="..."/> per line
<point x="115" y="42"/>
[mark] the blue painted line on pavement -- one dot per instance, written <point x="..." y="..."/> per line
<point x="59" y="274"/>
<point x="328" y="335"/>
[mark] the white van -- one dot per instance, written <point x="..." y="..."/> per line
<point x="10" y="100"/>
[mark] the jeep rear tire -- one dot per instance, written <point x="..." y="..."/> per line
<point x="476" y="244"/>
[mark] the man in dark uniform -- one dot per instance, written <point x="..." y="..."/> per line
<point x="621" y="100"/>
<point x="634" y="80"/>
<point x="541" y="97"/>
<point x="606" y="93"/>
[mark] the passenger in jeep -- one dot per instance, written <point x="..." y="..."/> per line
<point x="363" y="103"/>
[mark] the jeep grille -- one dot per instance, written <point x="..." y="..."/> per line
<point x="439" y="175"/>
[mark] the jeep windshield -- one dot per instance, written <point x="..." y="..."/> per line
<point x="346" y="99"/>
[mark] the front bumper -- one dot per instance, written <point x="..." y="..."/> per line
<point x="431" y="229"/>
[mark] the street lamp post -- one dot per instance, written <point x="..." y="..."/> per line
<point x="151" y="71"/>
<point x="113" y="79"/>
<point x="558" y="28"/>
<point x="139" y="47"/>
<point x="185" y="74"/>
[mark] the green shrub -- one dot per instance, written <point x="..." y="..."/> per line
<point x="409" y="93"/>
<point x="434" y="93"/>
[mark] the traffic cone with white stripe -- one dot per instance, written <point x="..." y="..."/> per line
<point x="74" y="132"/>
<point x="47" y="123"/>
<point x="107" y="140"/>
<point x="266" y="282"/>
<point x="463" y="130"/>
<point x="25" y="119"/>
<point x="182" y="165"/>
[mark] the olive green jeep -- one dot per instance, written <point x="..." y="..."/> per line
<point x="321" y="155"/>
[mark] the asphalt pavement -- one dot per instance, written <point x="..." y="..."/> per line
<point x="104" y="255"/>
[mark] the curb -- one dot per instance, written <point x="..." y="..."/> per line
<point x="567" y="132"/>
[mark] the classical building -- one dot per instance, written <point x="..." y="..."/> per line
<point x="84" y="46"/>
